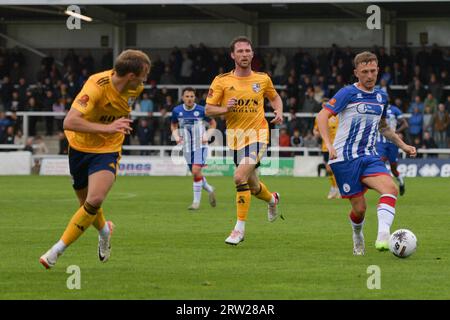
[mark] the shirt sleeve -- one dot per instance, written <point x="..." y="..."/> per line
<point x="88" y="97"/>
<point x="174" y="117"/>
<point x="215" y="93"/>
<point x="339" y="101"/>
<point x="270" y="92"/>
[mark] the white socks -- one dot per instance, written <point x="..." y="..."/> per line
<point x="386" y="213"/>
<point x="357" y="227"/>
<point x="59" y="247"/>
<point x="240" y="226"/>
<point x="197" y="187"/>
<point x="206" y="186"/>
<point x="104" y="232"/>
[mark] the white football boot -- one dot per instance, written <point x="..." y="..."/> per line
<point x="272" y="209"/>
<point x="104" y="245"/>
<point x="235" y="237"/>
<point x="358" y="244"/>
<point x="48" y="259"/>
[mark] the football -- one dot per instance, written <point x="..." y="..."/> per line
<point x="402" y="243"/>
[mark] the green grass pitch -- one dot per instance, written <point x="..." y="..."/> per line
<point x="160" y="250"/>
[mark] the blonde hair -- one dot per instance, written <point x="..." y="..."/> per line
<point x="131" y="61"/>
<point x="365" y="57"/>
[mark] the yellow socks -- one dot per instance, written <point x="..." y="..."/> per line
<point x="99" y="221"/>
<point x="80" y="221"/>
<point x="332" y="180"/>
<point x="243" y="197"/>
<point x="264" y="193"/>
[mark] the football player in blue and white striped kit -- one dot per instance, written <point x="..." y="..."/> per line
<point x="188" y="128"/>
<point x="353" y="156"/>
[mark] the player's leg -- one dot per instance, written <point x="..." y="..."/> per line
<point x="385" y="186"/>
<point x="348" y="175"/>
<point x="205" y="185"/>
<point x="260" y="191"/>
<point x="197" y="185"/>
<point x="243" y="198"/>
<point x="357" y="216"/>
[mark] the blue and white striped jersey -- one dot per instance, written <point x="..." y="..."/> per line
<point x="359" y="115"/>
<point x="191" y="124"/>
<point x="393" y="114"/>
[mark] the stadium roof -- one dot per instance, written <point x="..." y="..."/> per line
<point x="247" y="13"/>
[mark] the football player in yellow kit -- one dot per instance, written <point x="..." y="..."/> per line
<point x="239" y="95"/>
<point x="95" y="126"/>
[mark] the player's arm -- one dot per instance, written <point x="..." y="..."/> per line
<point x="277" y="106"/>
<point x="322" y="125"/>
<point x="215" y="111"/>
<point x="213" y="107"/>
<point x="174" y="128"/>
<point x="74" y="121"/>
<point x="390" y="134"/>
<point x="210" y="132"/>
<point x="175" y="132"/>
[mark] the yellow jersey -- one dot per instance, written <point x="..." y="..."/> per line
<point x="246" y="122"/>
<point x="333" y="122"/>
<point x="100" y="102"/>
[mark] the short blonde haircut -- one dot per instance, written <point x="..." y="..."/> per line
<point x="131" y="61"/>
<point x="365" y="57"/>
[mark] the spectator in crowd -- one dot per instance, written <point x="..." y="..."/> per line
<point x="18" y="138"/>
<point x="447" y="104"/>
<point x="15" y="104"/>
<point x="284" y="141"/>
<point x="8" y="138"/>
<point x="415" y="124"/>
<point x="429" y="143"/>
<point x="416" y="89"/>
<point x="168" y="77"/>
<point x="435" y="87"/>
<point x="164" y="128"/>
<point x="145" y="135"/>
<point x="431" y="102"/>
<point x="186" y="69"/>
<point x="6" y="92"/>
<point x="296" y="138"/>
<point x="310" y="104"/>
<point x="309" y="141"/>
<point x="48" y="102"/>
<point x="279" y="63"/>
<point x="29" y="145"/>
<point x="40" y="146"/>
<point x="4" y="124"/>
<point x="32" y="120"/>
<point x="427" y="120"/>
<point x="417" y="143"/>
<point x="441" y="120"/>
<point x="59" y="106"/>
<point x="417" y="103"/>
<point x="145" y="104"/>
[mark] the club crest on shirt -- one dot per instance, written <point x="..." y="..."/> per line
<point x="83" y="100"/>
<point x="196" y="113"/>
<point x="379" y="98"/>
<point x="359" y="96"/>
<point x="256" y="87"/>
